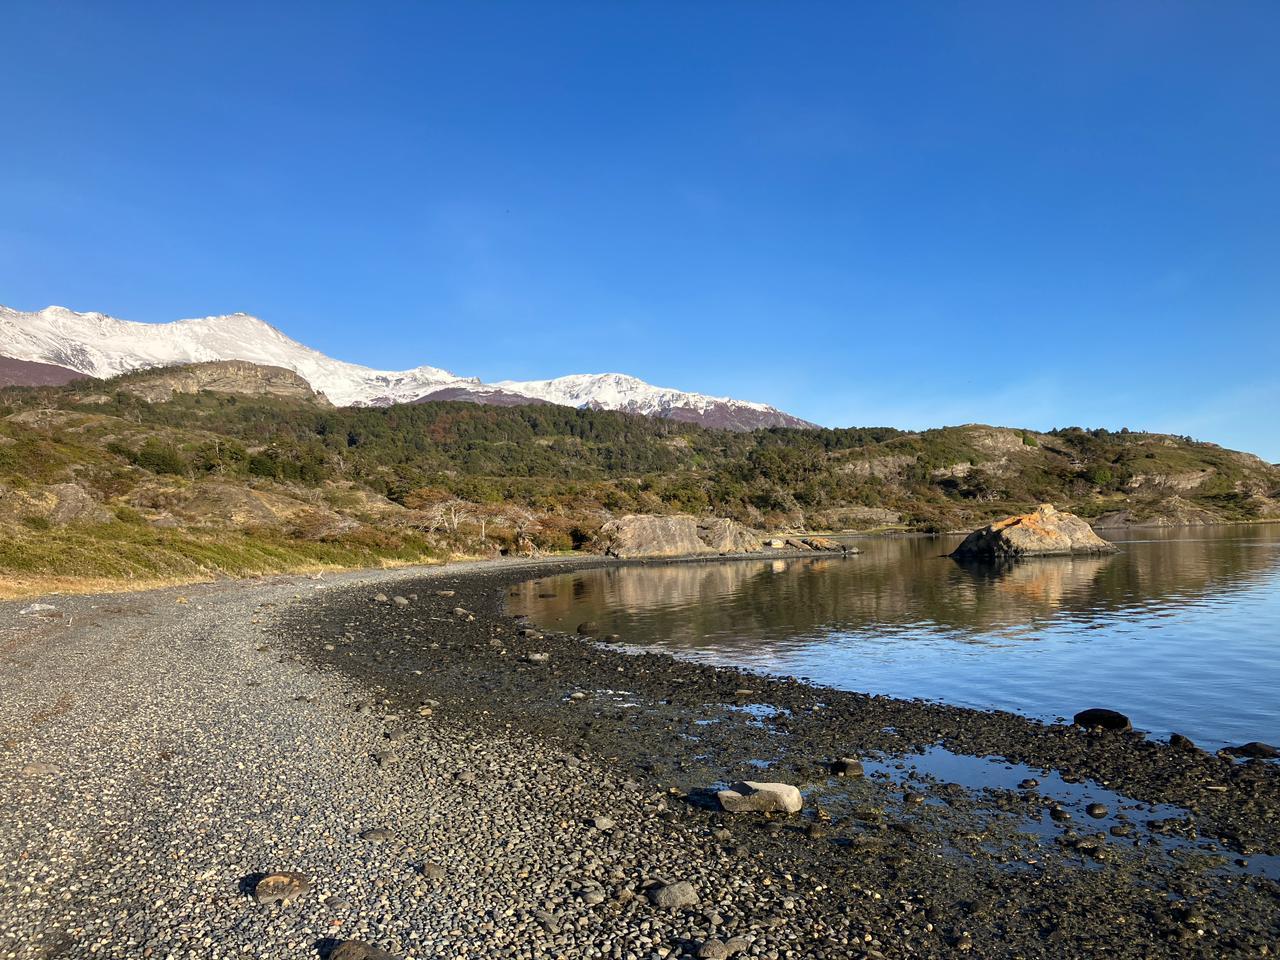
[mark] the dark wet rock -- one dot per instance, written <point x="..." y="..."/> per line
<point x="283" y="887"/>
<point x="755" y="796"/>
<point x="588" y="629"/>
<point x="1255" y="750"/>
<point x="673" y="896"/>
<point x="1101" y="717"/>
<point x="1044" y="532"/>
<point x="1096" y="810"/>
<point x="1179" y="742"/>
<point x="359" y="950"/>
<point x="847" y="767"/>
<point x="1059" y="814"/>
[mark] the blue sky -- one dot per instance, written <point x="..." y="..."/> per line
<point x="910" y="214"/>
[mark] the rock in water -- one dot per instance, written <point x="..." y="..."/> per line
<point x="674" y="895"/>
<point x="359" y="950"/>
<point x="1101" y="717"/>
<point x="1043" y="532"/>
<point x="1256" y="750"/>
<point x="752" y="796"/>
<point x="281" y="887"/>
<point x="847" y="767"/>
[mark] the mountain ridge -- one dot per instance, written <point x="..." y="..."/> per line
<point x="99" y="345"/>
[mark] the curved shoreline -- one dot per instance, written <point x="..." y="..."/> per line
<point x="685" y="727"/>
<point x="198" y="736"/>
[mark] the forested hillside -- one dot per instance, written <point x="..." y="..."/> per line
<point x="400" y="480"/>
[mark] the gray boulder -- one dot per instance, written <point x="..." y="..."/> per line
<point x="753" y="796"/>
<point x="672" y="896"/>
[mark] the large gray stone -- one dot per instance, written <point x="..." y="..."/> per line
<point x="753" y="796"/>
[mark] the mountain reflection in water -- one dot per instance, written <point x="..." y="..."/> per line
<point x="1180" y="629"/>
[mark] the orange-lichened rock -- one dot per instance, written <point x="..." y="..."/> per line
<point x="1044" y="531"/>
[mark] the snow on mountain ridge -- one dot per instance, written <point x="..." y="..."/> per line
<point x="103" y="346"/>
<point x="618" y="391"/>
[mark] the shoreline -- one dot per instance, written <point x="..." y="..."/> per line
<point x="15" y="587"/>
<point x="555" y="818"/>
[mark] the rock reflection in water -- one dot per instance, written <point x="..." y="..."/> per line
<point x="1178" y="629"/>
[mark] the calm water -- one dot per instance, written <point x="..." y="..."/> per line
<point x="1180" y="630"/>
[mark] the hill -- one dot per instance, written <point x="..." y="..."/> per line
<point x="261" y="474"/>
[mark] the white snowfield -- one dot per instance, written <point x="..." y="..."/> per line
<point x="103" y="346"/>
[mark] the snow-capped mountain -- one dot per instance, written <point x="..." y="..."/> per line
<point x="617" y="391"/>
<point x="102" y="346"/>
<point x="97" y="345"/>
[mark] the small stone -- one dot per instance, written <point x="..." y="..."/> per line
<point x="1059" y="814"/>
<point x="359" y="950"/>
<point x="1179" y="742"/>
<point x="720" y="949"/>
<point x="376" y="834"/>
<point x="444" y="593"/>
<point x="673" y="896"/>
<point x="379" y="598"/>
<point x="1028" y="784"/>
<point x="400" y="601"/>
<point x="1096" y="810"/>
<point x="384" y="758"/>
<point x="432" y="870"/>
<point x="847" y="767"/>
<point x="538" y="657"/>
<point x="282" y="887"/>
<point x="603" y="823"/>
<point x="461" y="612"/>
<point x="39" y="768"/>
<point x="588" y="628"/>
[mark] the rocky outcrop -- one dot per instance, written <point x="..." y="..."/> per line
<point x="59" y="504"/>
<point x="727" y="536"/>
<point x="1043" y="532"/>
<point x="681" y="535"/>
<point x="221" y="376"/>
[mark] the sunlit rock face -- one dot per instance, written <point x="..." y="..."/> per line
<point x="1044" y="532"/>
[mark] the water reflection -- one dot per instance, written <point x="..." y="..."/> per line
<point x="1179" y="628"/>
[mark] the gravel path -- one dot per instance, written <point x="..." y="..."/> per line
<point x="159" y="753"/>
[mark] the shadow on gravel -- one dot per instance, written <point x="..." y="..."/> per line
<point x="248" y="884"/>
<point x="325" y="947"/>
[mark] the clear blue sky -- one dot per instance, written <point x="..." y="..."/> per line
<point x="882" y="213"/>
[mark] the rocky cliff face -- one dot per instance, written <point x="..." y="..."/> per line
<point x="222" y="376"/>
<point x="1044" y="531"/>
